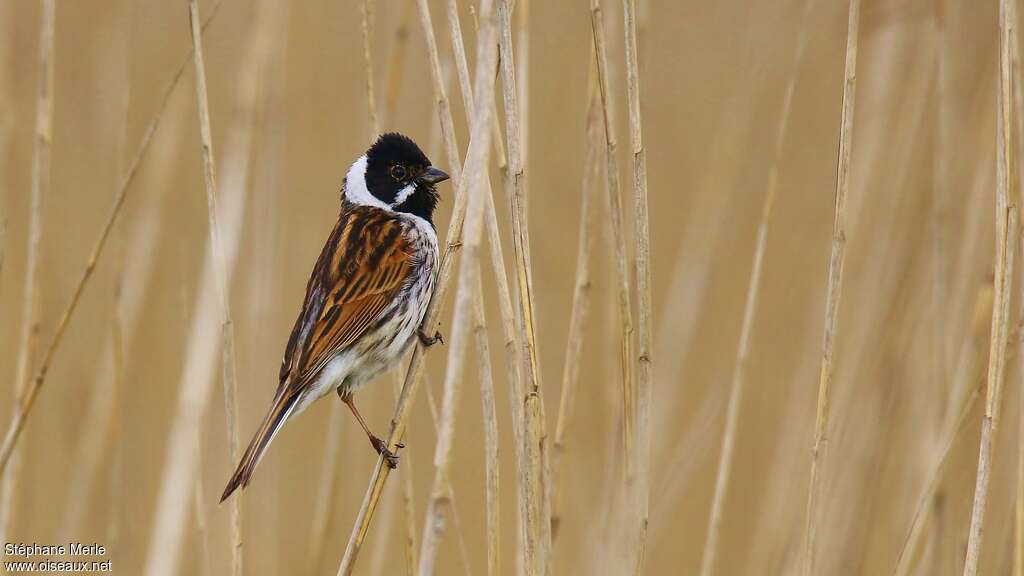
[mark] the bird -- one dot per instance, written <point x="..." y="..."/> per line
<point x="367" y="294"/>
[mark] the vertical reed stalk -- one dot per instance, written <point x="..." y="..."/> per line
<point x="17" y="424"/>
<point x="967" y="372"/>
<point x="1018" y="100"/>
<point x="490" y="420"/>
<point x="435" y="419"/>
<point x="834" y="293"/>
<point x="750" y="311"/>
<point x="453" y="243"/>
<point x="618" y="232"/>
<point x="508" y="315"/>
<point x="29" y="335"/>
<point x="582" y="287"/>
<point x="645" y="379"/>
<point x="408" y="499"/>
<point x="396" y="66"/>
<point x="326" y="489"/>
<point x="228" y="368"/>
<point x="1006" y="243"/>
<point x="538" y="526"/>
<point x="736" y="391"/>
<point x="371" y="101"/>
<point x="474" y="178"/>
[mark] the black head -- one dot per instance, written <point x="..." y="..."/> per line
<point x="399" y="175"/>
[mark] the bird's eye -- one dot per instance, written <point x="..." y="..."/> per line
<point x="398" y="172"/>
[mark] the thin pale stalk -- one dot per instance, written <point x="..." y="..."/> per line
<point x="116" y="415"/>
<point x="396" y="64"/>
<point x="202" y="534"/>
<point x="1018" y="99"/>
<point x="967" y="371"/>
<point x="618" y="233"/>
<point x="454" y="241"/>
<point x="737" y="389"/>
<point x="28" y="339"/>
<point x="228" y="366"/>
<point x="538" y="513"/>
<point x="435" y="419"/>
<point x="326" y="490"/>
<point x="491" y="477"/>
<point x="490" y="418"/>
<point x="494" y="241"/>
<point x="17" y="424"/>
<point x="834" y="292"/>
<point x="408" y="499"/>
<point x="181" y="460"/>
<point x="475" y="177"/>
<point x="367" y="30"/>
<point x="645" y="331"/>
<point x="742" y="355"/>
<point x="1006" y="242"/>
<point x="582" y="287"/>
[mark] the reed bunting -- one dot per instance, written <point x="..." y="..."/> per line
<point x="367" y="295"/>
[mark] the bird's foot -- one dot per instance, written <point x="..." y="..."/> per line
<point x="429" y="341"/>
<point x="390" y="458"/>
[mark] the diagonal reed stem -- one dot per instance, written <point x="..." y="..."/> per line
<point x="645" y="331"/>
<point x="582" y="288"/>
<point x="738" y="386"/>
<point x="536" y="469"/>
<point x="834" y="293"/>
<point x="1006" y="243"/>
<point x="410" y="387"/>
<point x="28" y="399"/>
<point x="473" y="180"/>
<point x="28" y="338"/>
<point x="228" y="368"/>
<point x="617" y="230"/>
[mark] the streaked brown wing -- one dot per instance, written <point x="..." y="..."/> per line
<point x="360" y="270"/>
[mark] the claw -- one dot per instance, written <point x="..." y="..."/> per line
<point x="429" y="341"/>
<point x="390" y="458"/>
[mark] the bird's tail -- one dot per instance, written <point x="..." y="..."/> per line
<point x="282" y="407"/>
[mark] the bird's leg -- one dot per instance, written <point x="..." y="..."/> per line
<point x="429" y="341"/>
<point x="379" y="445"/>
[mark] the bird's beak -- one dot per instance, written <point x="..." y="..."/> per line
<point x="433" y="175"/>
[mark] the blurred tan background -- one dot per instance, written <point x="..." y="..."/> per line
<point x="713" y="80"/>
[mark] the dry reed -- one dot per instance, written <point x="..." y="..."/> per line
<point x="645" y="378"/>
<point x="582" y="288"/>
<point x="41" y="176"/>
<point x="834" y="292"/>
<point x="966" y="373"/>
<point x="508" y="317"/>
<point x="228" y="367"/>
<point x="396" y="64"/>
<point x="474" y="177"/>
<point x="1018" y="101"/>
<point x="326" y="489"/>
<point x="736" y="390"/>
<point x="537" y="542"/>
<point x="181" y="462"/>
<point x="28" y="398"/>
<point x="371" y="101"/>
<point x="750" y="310"/>
<point x="492" y="479"/>
<point x="1006" y="243"/>
<point x="453" y="243"/>
<point x="618" y="232"/>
